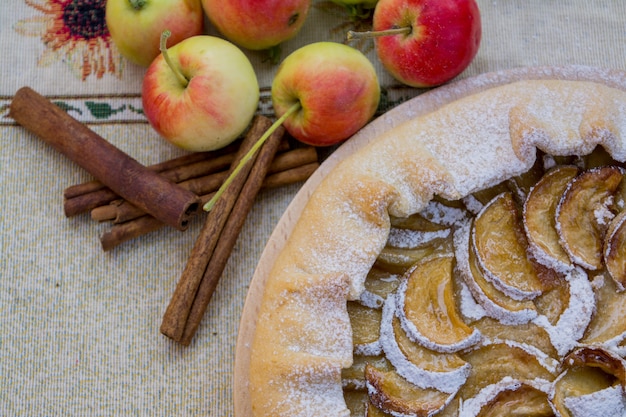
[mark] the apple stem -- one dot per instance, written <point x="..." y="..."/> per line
<point x="163" y="47"/>
<point x="352" y="35"/>
<point x="244" y="160"/>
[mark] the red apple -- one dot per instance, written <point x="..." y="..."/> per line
<point x="431" y="41"/>
<point x="257" y="24"/>
<point x="200" y="94"/>
<point x="136" y="25"/>
<point x="336" y="87"/>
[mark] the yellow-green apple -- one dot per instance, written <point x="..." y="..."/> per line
<point x="335" y="86"/>
<point x="425" y="43"/>
<point x="136" y="25"/>
<point x="322" y="93"/>
<point x="201" y="93"/>
<point x="257" y="24"/>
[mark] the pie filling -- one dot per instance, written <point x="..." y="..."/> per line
<point x="510" y="301"/>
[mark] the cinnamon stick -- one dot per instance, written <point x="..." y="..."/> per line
<point x="129" y="230"/>
<point x="180" y="304"/>
<point x="161" y="198"/>
<point x="87" y="196"/>
<point x="121" y="211"/>
<point x="122" y="232"/>
<point x="95" y="185"/>
<point x="227" y="240"/>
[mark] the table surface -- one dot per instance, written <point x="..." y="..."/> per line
<point x="79" y="327"/>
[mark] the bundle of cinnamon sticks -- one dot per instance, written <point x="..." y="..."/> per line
<point x="139" y="199"/>
<point x="201" y="173"/>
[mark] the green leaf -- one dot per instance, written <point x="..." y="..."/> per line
<point x="68" y="108"/>
<point x="103" y="110"/>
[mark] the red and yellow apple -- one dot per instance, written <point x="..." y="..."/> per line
<point x="425" y="43"/>
<point x="336" y="87"/>
<point x="201" y="93"/>
<point x="136" y="25"/>
<point x="322" y="93"/>
<point x="257" y="24"/>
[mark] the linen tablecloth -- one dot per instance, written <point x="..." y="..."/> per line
<point x="79" y="327"/>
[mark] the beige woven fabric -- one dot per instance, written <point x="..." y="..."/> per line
<point x="78" y="326"/>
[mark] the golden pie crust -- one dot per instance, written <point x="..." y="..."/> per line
<point x="296" y="335"/>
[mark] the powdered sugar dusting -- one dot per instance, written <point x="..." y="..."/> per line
<point x="369" y="349"/>
<point x="574" y="320"/>
<point x="609" y="402"/>
<point x="307" y="392"/>
<point x="473" y="205"/>
<point x="441" y="214"/>
<point x="603" y="213"/>
<point x="469" y="307"/>
<point x="404" y="238"/>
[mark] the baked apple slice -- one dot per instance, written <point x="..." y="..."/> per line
<point x="421" y="366"/>
<point x="435" y="216"/>
<point x="493" y="362"/>
<point x="495" y="303"/>
<point x="399" y="260"/>
<point x="521" y="185"/>
<point x="356" y="401"/>
<point x="365" y="323"/>
<point x="615" y="250"/>
<point x="591" y="378"/>
<point x="417" y="231"/>
<point x="353" y="378"/>
<point x="393" y="394"/>
<point x="407" y="238"/>
<point x="509" y="398"/>
<point x="502" y="249"/>
<point x="607" y="326"/>
<point x="373" y="411"/>
<point x="379" y="283"/>
<point x="522" y="334"/>
<point x="598" y="357"/>
<point x="428" y="310"/>
<point x="539" y="217"/>
<point x="583" y="214"/>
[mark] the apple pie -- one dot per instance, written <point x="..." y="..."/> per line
<point x="469" y="261"/>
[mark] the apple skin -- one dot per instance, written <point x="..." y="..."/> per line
<point x="337" y="87"/>
<point x="445" y="39"/>
<point x="257" y="24"/>
<point x="136" y="32"/>
<point x="215" y="107"/>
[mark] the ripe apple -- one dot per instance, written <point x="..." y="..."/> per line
<point x="201" y="93"/>
<point x="323" y="92"/>
<point x="136" y="25"/>
<point x="425" y="43"/>
<point x="336" y="87"/>
<point x="257" y="24"/>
